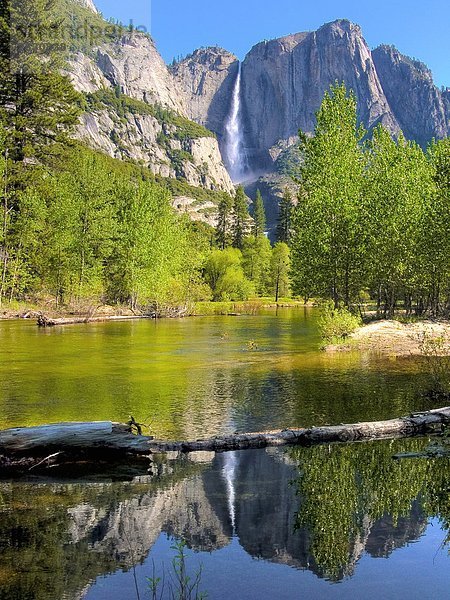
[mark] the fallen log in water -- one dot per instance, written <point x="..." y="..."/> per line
<point x="167" y="312"/>
<point x="43" y="321"/>
<point x="30" y="447"/>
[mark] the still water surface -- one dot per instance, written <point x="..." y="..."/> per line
<point x="302" y="523"/>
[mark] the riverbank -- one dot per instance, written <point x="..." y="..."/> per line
<point x="84" y="314"/>
<point x="398" y="339"/>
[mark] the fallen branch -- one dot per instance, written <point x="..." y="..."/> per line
<point x="108" y="441"/>
<point x="47" y="460"/>
<point x="412" y="425"/>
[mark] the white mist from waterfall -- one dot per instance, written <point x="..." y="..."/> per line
<point x="234" y="142"/>
<point x="229" y="472"/>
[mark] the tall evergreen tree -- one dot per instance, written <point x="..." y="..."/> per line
<point x="259" y="216"/>
<point x="223" y="229"/>
<point x="284" y="225"/>
<point x="240" y="218"/>
<point x="38" y="104"/>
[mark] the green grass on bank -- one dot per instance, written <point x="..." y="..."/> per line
<point x="248" y="307"/>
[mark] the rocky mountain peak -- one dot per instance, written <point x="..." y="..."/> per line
<point x="418" y="105"/>
<point x="340" y="27"/>
<point x="212" y="56"/>
<point x="402" y="61"/>
<point x="206" y="79"/>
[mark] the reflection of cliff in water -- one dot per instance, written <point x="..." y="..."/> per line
<point x="58" y="538"/>
<point x="267" y="508"/>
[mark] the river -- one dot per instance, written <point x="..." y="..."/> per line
<point x="294" y="523"/>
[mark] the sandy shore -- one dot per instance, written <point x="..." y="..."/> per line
<point x="392" y="337"/>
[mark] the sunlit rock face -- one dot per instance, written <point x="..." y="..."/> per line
<point x="134" y="66"/>
<point x="206" y="79"/>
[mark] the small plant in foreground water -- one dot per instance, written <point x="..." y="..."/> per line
<point x="180" y="585"/>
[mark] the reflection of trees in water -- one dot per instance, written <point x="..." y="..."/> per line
<point x="343" y="500"/>
<point x="57" y="538"/>
<point x="357" y="494"/>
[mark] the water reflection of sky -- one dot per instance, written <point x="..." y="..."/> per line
<point x="421" y="570"/>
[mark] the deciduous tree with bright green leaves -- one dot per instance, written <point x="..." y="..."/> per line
<point x="398" y="187"/>
<point x="225" y="275"/>
<point x="256" y="255"/>
<point x="280" y="266"/>
<point x="328" y="225"/>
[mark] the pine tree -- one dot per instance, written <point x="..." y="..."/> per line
<point x="284" y="226"/>
<point x="223" y="229"/>
<point x="38" y="104"/>
<point x="259" y="216"/>
<point x="240" y="218"/>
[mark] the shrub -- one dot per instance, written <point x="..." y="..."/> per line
<point x="337" y="323"/>
<point x="435" y="350"/>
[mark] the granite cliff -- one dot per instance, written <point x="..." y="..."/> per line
<point x="173" y="119"/>
<point x="135" y="112"/>
<point x="283" y="82"/>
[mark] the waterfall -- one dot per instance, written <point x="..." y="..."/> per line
<point x="228" y="472"/>
<point x="234" y="143"/>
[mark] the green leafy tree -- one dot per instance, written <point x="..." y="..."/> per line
<point x="225" y="275"/>
<point x="26" y="237"/>
<point x="256" y="255"/>
<point x="434" y="238"/>
<point x="398" y="185"/>
<point x="240" y="218"/>
<point x="327" y="247"/>
<point x="4" y="213"/>
<point x="147" y="256"/>
<point x="259" y="216"/>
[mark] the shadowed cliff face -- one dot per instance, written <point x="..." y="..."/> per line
<point x="417" y="104"/>
<point x="284" y="82"/>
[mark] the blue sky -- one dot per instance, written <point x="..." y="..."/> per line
<point x="419" y="29"/>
